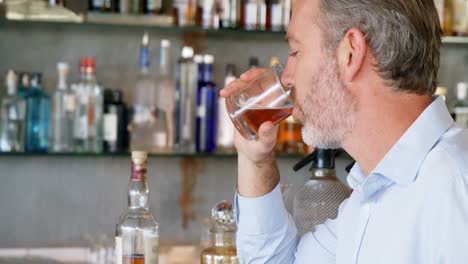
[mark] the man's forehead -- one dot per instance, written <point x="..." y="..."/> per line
<point x="305" y="15"/>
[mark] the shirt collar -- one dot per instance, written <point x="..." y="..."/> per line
<point x="401" y="164"/>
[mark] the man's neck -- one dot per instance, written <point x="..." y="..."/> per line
<point x="381" y="119"/>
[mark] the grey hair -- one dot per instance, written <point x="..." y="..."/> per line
<point x="403" y="35"/>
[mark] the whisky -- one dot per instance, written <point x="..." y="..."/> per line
<point x="290" y="137"/>
<point x="256" y="117"/>
<point x="134" y="259"/>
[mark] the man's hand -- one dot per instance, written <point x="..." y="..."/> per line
<point x="258" y="172"/>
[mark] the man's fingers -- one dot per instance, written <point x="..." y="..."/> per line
<point x="251" y="74"/>
<point x="267" y="133"/>
<point x="231" y="88"/>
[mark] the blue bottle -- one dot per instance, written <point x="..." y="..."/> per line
<point x="206" y="114"/>
<point x="37" y="117"/>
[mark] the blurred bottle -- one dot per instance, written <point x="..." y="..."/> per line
<point x="223" y="232"/>
<point x="186" y="102"/>
<point x="287" y="7"/>
<point x="275" y="14"/>
<point x="152" y="7"/>
<point x="320" y="197"/>
<point x="115" y="134"/>
<point x="225" y="133"/>
<point x="131" y="6"/>
<point x="101" y="5"/>
<point x="12" y="122"/>
<point x="210" y="14"/>
<point x="137" y="232"/>
<point x="24" y="84"/>
<point x="166" y="90"/>
<point x="447" y="17"/>
<point x="230" y="13"/>
<point x="62" y="113"/>
<point x="89" y="108"/>
<point x="460" y="17"/>
<point x="255" y="15"/>
<point x="37" y="117"/>
<point x="253" y="62"/>
<point x="461" y="105"/>
<point x="143" y="129"/>
<point x="186" y="12"/>
<point x="206" y="113"/>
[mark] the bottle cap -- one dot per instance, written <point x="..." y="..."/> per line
<point x="23" y="79"/>
<point x="325" y="159"/>
<point x="187" y="52"/>
<point x="208" y="59"/>
<point x="462" y="90"/>
<point x="198" y="59"/>
<point x="11" y="82"/>
<point x="253" y="62"/>
<point x="274" y="61"/>
<point x="231" y="68"/>
<point x="36" y="78"/>
<point x="145" y="39"/>
<point x="112" y="96"/>
<point x="139" y="155"/>
<point x="165" y="43"/>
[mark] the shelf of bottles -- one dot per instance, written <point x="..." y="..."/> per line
<point x="174" y="115"/>
<point x="269" y="18"/>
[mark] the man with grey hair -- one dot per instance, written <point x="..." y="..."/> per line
<point x="364" y="73"/>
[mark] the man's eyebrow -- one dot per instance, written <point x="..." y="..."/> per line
<point x="288" y="38"/>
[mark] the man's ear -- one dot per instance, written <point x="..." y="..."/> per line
<point x="351" y="53"/>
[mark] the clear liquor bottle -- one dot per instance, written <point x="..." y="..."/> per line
<point x="87" y="124"/>
<point x="144" y="124"/>
<point x="62" y="113"/>
<point x="137" y="232"/>
<point x="13" y="111"/>
<point x="186" y="98"/>
<point x="37" y="117"/>
<point x="225" y="133"/>
<point x="166" y="89"/>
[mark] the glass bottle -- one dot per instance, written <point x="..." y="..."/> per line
<point x="24" y="83"/>
<point x="137" y="232"/>
<point x="206" y="113"/>
<point x="460" y="18"/>
<point x="255" y="15"/>
<point x="87" y="128"/>
<point x="223" y="232"/>
<point x="290" y="137"/>
<point x="320" y="197"/>
<point x="143" y="129"/>
<point x="37" y="117"/>
<point x="152" y="7"/>
<point x="186" y="102"/>
<point x="275" y="15"/>
<point x="166" y="89"/>
<point x="461" y="105"/>
<point x="225" y="133"/>
<point x="115" y="136"/>
<point x="12" y="111"/>
<point x="62" y="113"/>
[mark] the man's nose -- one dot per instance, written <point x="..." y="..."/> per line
<point x="287" y="78"/>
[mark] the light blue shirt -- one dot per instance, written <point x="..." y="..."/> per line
<point x="413" y="208"/>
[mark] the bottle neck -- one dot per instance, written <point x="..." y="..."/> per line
<point x="62" y="82"/>
<point x="208" y="73"/>
<point x="88" y="75"/>
<point x="223" y="239"/>
<point x="138" y="192"/>
<point x="144" y="60"/>
<point x="165" y="61"/>
<point x="11" y="89"/>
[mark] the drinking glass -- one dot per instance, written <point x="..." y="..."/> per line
<point x="264" y="99"/>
